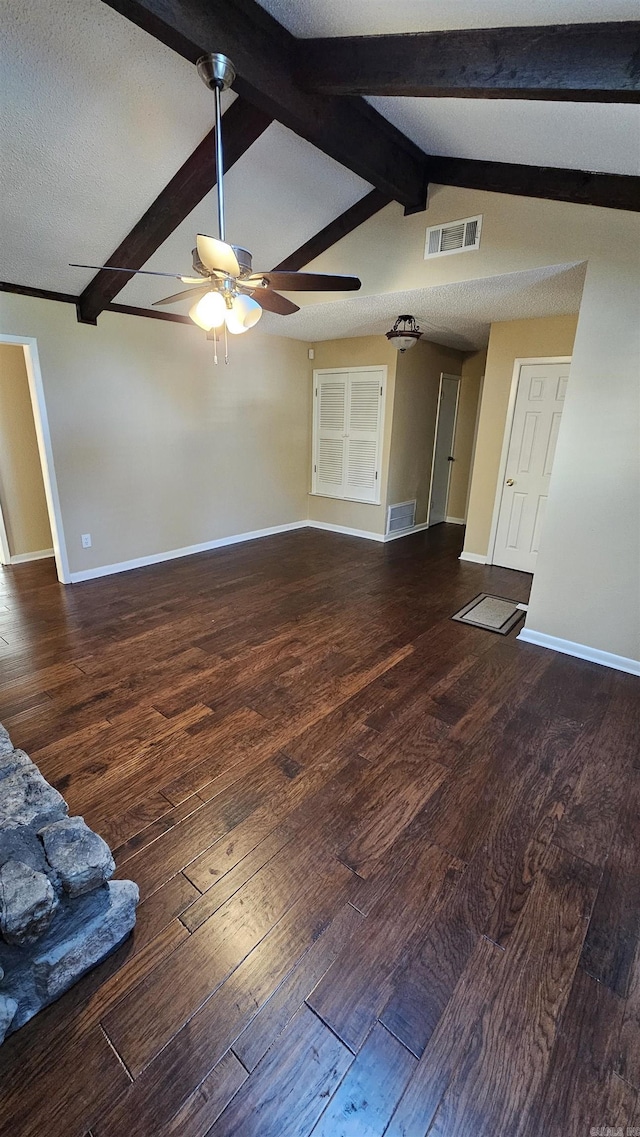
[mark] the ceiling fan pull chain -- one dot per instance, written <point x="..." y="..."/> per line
<point x="226" y="343"/>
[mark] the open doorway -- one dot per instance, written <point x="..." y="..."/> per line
<point x="30" y="523"/>
<point x="25" y="532"/>
<point x="443" y="456"/>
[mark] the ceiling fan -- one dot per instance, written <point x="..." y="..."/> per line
<point x="228" y="293"/>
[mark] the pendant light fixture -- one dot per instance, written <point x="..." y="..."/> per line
<point x="404" y="334"/>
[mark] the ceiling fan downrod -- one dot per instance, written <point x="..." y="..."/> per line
<point x="217" y="73"/>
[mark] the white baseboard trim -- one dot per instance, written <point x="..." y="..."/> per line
<point x="406" y="532"/>
<point x="365" y="533"/>
<point x="475" y="558"/>
<point x="188" y="551"/>
<point x="581" y="651"/>
<point x="22" y="558"/>
<point x="455" y="521"/>
<point x="237" y="538"/>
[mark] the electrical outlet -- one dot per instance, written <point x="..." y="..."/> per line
<point x="86" y="540"/>
<point x="311" y="353"/>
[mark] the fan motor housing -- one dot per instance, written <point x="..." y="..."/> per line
<point x="245" y="260"/>
<point x="216" y="70"/>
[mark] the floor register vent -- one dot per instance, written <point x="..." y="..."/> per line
<point x="401" y="516"/>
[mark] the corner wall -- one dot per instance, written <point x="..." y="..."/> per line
<point x="409" y="425"/>
<point x="154" y="448"/>
<point x="414" y="421"/>
<point x="586" y="589"/>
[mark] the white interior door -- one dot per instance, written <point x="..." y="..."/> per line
<point x="532" y="444"/>
<point x="443" y="447"/>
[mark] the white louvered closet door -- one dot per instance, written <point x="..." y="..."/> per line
<point x="348" y="433"/>
<point x="363" y="435"/>
<point x="331" y="433"/>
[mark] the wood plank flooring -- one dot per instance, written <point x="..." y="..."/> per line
<point x="388" y="864"/>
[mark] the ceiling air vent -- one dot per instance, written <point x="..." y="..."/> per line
<point x="401" y="516"/>
<point x="454" y="237"/>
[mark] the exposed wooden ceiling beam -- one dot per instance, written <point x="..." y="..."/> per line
<point x="38" y="293"/>
<point x="577" y="62"/>
<point x="612" y="191"/>
<point x="243" y="123"/>
<point x="265" y="55"/>
<point x="333" y="232"/>
<point x="67" y="298"/>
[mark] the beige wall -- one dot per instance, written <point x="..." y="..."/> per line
<point x="155" y="448"/>
<point x="518" y="234"/>
<point x="586" y="587"/>
<point x="414" y="421"/>
<point x="587" y="582"/>
<point x="515" y="339"/>
<point x="472" y="372"/>
<point x="409" y="425"/>
<point x="364" y="351"/>
<point x="24" y="506"/>
<point x="161" y="454"/>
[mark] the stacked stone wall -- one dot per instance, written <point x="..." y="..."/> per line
<point x="60" y="914"/>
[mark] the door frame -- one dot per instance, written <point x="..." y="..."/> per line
<point x="458" y="378"/>
<point x="29" y="346"/>
<point x="518" y="364"/>
<point x="5" y="551"/>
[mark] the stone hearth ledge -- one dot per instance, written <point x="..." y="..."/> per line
<point x="60" y="914"/>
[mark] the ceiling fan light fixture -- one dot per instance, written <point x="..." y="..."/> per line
<point x="225" y="281"/>
<point x="404" y="334"/>
<point x="243" y="314"/>
<point x="210" y="311"/>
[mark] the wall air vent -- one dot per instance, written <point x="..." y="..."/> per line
<point x="401" y="516"/>
<point x="454" y="237"/>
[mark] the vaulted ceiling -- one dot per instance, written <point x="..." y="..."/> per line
<point x="102" y="107"/>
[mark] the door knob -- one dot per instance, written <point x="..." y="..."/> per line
<point x="450" y="459"/>
<point x="510" y="481"/>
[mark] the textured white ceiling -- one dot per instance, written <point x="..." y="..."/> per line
<point x="375" y="17"/>
<point x="581" y="136"/>
<point x="457" y="315"/>
<point x="96" y="116"/>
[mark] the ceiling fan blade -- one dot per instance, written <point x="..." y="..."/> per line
<point x="216" y="254"/>
<point x="305" y="281"/>
<point x="274" y="302"/>
<point x="188" y="294"/>
<point x="144" y="272"/>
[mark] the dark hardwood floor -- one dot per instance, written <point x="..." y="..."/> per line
<point x="388" y="863"/>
